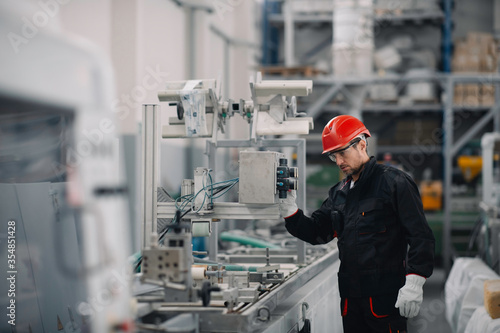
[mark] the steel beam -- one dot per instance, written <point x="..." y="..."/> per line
<point x="299" y="144"/>
<point x="317" y="106"/>
<point x="436" y="77"/>
<point x="150" y="165"/>
<point x="474" y="130"/>
<point x="213" y="240"/>
<point x="224" y="211"/>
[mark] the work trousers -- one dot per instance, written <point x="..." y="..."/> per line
<point x="375" y="314"/>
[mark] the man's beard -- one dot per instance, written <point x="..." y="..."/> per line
<point x="353" y="171"/>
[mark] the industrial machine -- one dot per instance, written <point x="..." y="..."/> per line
<point x="278" y="284"/>
<point x="466" y="288"/>
<point x="488" y="226"/>
<point x="62" y="195"/>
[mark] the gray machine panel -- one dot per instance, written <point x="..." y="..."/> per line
<point x="258" y="177"/>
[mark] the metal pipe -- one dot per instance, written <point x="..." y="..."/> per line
<point x="496" y="121"/>
<point x="232" y="40"/>
<point x="265" y="33"/>
<point x="448" y="143"/>
<point x="289" y="34"/>
<point x="487" y="145"/>
<point x="150" y="158"/>
<point x="213" y="240"/>
<point x="227" y="65"/>
<point x="314" y="110"/>
<point x="191" y="43"/>
<point x="190" y="29"/>
<point x="194" y="5"/>
<point x="447" y="34"/>
<point x="301" y="199"/>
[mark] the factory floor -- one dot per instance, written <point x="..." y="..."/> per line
<point x="432" y="316"/>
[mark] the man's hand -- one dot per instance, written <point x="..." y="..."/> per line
<point x="288" y="207"/>
<point x="410" y="296"/>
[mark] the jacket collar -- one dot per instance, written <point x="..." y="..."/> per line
<point x="367" y="170"/>
<point x="365" y="174"/>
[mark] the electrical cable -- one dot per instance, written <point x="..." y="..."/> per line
<point x="168" y="226"/>
<point x="475" y="232"/>
<point x="160" y="238"/>
<point x="216" y="191"/>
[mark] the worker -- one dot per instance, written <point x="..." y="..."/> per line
<point x="375" y="213"/>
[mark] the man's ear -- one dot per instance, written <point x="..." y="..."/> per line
<point x="362" y="144"/>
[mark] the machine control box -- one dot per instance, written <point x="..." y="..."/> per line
<point x="263" y="174"/>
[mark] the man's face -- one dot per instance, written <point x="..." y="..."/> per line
<point x="350" y="158"/>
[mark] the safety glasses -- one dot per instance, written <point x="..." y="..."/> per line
<point x="342" y="153"/>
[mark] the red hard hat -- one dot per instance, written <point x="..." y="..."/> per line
<point x="340" y="131"/>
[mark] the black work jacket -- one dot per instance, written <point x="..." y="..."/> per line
<point x="374" y="222"/>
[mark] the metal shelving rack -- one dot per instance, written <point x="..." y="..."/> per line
<point x="288" y="19"/>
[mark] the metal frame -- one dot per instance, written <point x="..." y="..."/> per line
<point x="299" y="144"/>
<point x="224" y="211"/>
<point x="152" y="210"/>
<point x="289" y="34"/>
<point x="253" y="319"/>
<point x="447" y="39"/>
<point x="150" y="157"/>
<point x="289" y="17"/>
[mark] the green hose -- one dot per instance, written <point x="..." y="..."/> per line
<point x="235" y="268"/>
<point x="226" y="236"/>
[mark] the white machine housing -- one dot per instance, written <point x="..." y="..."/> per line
<point x="53" y="71"/>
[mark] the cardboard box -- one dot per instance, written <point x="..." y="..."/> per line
<point x="487" y="95"/>
<point x="471" y="95"/>
<point x="489" y="63"/>
<point x="478" y="52"/>
<point x="458" y="94"/>
<point x="492" y="298"/>
<point x="387" y="57"/>
<point x="479" y="42"/>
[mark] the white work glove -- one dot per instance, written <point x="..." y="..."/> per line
<point x="288" y="207"/>
<point x="410" y="296"/>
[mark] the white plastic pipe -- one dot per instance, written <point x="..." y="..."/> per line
<point x="487" y="144"/>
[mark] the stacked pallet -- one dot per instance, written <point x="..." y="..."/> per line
<point x="477" y="53"/>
